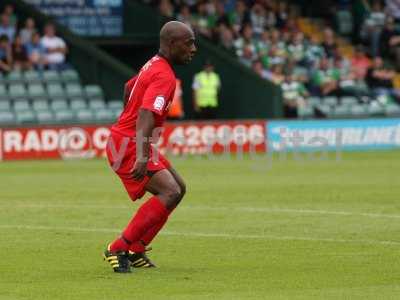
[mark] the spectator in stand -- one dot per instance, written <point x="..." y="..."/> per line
<point x="239" y="16"/>
<point x="329" y="43"/>
<point x="166" y="9"/>
<point x="276" y="75"/>
<point x="27" y="32"/>
<point x="326" y="79"/>
<point x="9" y="11"/>
<point x="202" y="21"/>
<point x="373" y="26"/>
<point x="258" y="68"/>
<point x="5" y="54"/>
<point x="20" y="56"/>
<point x="245" y="41"/>
<point x="258" y="19"/>
<point x="360" y="63"/>
<point x="380" y="79"/>
<point x="390" y="42"/>
<point x="184" y="15"/>
<point x="226" y="38"/>
<point x="55" y="48"/>
<point x="297" y="48"/>
<point x="6" y="28"/>
<point x="36" y="52"/>
<point x="393" y="9"/>
<point x="294" y="96"/>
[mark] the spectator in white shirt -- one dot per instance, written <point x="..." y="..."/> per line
<point x="27" y="32"/>
<point x="6" y="28"/>
<point x="55" y="48"/>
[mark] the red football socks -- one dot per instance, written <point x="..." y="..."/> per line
<point x="150" y="214"/>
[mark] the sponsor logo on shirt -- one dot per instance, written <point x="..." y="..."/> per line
<point x="159" y="103"/>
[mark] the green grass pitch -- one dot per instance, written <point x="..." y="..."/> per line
<point x="247" y="229"/>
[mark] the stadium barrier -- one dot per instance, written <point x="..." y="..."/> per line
<point x="180" y="138"/>
<point x="67" y="142"/>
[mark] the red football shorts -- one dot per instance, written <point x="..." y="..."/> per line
<point x="121" y="154"/>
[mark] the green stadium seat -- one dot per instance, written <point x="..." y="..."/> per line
<point x="104" y="115"/>
<point x="117" y="113"/>
<point x="315" y="101"/>
<point x="22" y="105"/>
<point x="45" y="117"/>
<point x="78" y="103"/>
<point x="341" y="111"/>
<point x="359" y="110"/>
<point x="36" y="90"/>
<point x="5" y="105"/>
<point x="85" y="116"/>
<point x="64" y="115"/>
<point x="93" y="91"/>
<point x="32" y="76"/>
<point x="324" y="109"/>
<point x="51" y="77"/>
<point x="350" y="101"/>
<point x="25" y="117"/>
<point x="7" y="118"/>
<point x="15" y="77"/>
<point x="3" y="89"/>
<point x="97" y="104"/>
<point x="2" y="79"/>
<point x="392" y="110"/>
<point x="55" y="90"/>
<point x="330" y="100"/>
<point x="115" y="104"/>
<point x="375" y="109"/>
<point x="59" y="105"/>
<point x="74" y="90"/>
<point x="17" y="90"/>
<point x="40" y="104"/>
<point x="305" y="111"/>
<point x="69" y="76"/>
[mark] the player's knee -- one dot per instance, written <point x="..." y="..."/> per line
<point x="173" y="194"/>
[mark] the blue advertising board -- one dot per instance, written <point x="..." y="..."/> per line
<point x="335" y="135"/>
<point x="85" y="17"/>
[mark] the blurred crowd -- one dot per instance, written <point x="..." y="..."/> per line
<point x="265" y="36"/>
<point x="23" y="47"/>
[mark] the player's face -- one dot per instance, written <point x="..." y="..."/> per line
<point x="184" y="49"/>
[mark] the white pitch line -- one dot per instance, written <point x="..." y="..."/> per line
<point x="227" y="209"/>
<point x="209" y="235"/>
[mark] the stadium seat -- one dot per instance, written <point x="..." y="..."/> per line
<point x="97" y="104"/>
<point x="3" y="90"/>
<point x="59" y="104"/>
<point x="392" y="110"/>
<point x="36" y="90"/>
<point x="331" y="100"/>
<point x="45" y="117"/>
<point x="115" y="104"/>
<point x="15" y="77"/>
<point x="17" y="91"/>
<point x="78" y="103"/>
<point x="25" y="117"/>
<point x="341" y="111"/>
<point x="74" y="90"/>
<point x="5" y="105"/>
<point x="40" y="104"/>
<point x="324" y="109"/>
<point x="7" y="117"/>
<point x="375" y="109"/>
<point x="104" y="115"/>
<point x="117" y="113"/>
<point x="314" y="101"/>
<point x="55" y="90"/>
<point x="51" y="77"/>
<point x="32" y="76"/>
<point x="93" y="91"/>
<point x="359" y="110"/>
<point x="22" y="105"/>
<point x="350" y="101"/>
<point x="306" y="111"/>
<point x="84" y="116"/>
<point x="64" y="115"/>
<point x="70" y="76"/>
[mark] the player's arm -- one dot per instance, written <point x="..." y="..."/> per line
<point x="144" y="131"/>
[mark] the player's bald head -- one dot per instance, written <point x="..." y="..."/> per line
<point x="177" y="42"/>
<point x="173" y="31"/>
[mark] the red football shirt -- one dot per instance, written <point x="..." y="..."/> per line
<point x="152" y="89"/>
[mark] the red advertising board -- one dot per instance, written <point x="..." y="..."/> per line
<point x="90" y="141"/>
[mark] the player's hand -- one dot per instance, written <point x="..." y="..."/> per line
<point x="139" y="169"/>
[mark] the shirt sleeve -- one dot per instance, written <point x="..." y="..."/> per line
<point x="158" y="92"/>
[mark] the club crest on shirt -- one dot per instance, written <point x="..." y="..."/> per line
<point x="159" y="103"/>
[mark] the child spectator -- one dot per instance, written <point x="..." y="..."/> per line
<point x="36" y="52"/>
